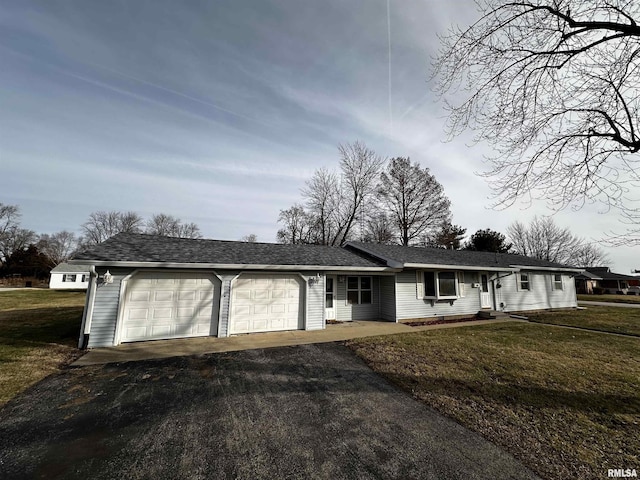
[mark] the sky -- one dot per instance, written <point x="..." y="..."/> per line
<point x="217" y="111"/>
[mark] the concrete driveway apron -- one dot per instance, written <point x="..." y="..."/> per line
<point x="310" y="411"/>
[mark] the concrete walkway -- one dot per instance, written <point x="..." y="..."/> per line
<point x="130" y="352"/>
<point x="609" y="304"/>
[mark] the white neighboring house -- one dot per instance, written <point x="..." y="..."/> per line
<point x="69" y="277"/>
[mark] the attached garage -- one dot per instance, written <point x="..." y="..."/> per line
<point x="162" y="305"/>
<point x="266" y="303"/>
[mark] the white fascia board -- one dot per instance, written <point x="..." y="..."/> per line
<point x="549" y="269"/>
<point x="436" y="266"/>
<point x="230" y="266"/>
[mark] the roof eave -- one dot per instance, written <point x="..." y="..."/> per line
<point x="550" y="269"/>
<point x="460" y="267"/>
<point x="229" y="266"/>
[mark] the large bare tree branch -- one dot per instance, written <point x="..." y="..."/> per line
<point x="554" y="87"/>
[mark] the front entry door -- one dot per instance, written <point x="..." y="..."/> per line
<point x="485" y="294"/>
<point x="330" y="302"/>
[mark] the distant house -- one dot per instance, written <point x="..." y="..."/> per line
<point x="148" y="287"/>
<point x="603" y="280"/>
<point x="69" y="277"/>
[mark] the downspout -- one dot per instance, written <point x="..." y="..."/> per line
<point x="87" y="314"/>
<point x="495" y="290"/>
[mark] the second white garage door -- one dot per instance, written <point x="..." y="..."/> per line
<point x="266" y="303"/>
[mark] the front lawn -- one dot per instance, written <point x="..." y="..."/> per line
<point x="565" y="402"/>
<point x="609" y="298"/>
<point x="606" y="319"/>
<point x="38" y="334"/>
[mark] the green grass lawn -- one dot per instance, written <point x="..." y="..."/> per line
<point x="39" y="332"/>
<point x="565" y="402"/>
<point x="606" y="319"/>
<point x="610" y="298"/>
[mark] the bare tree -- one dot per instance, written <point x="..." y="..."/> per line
<point x="589" y="255"/>
<point x="170" y="226"/>
<point x="335" y="201"/>
<point x="379" y="229"/>
<point x="251" y="238"/>
<point x="543" y="239"/>
<point x="57" y="247"/>
<point x="297" y="225"/>
<point x="12" y="236"/>
<point x="554" y="86"/>
<point x="102" y="225"/>
<point x="414" y="198"/>
<point x="322" y="196"/>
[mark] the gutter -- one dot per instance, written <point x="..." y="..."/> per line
<point x="511" y="268"/>
<point x="229" y="266"/>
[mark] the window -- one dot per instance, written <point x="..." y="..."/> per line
<point x="68" y="278"/>
<point x="358" y="290"/>
<point x="329" y="293"/>
<point x="85" y="278"/>
<point x="524" y="281"/>
<point x="440" y="285"/>
<point x="557" y="282"/>
<point x="429" y="284"/>
<point x="447" y="284"/>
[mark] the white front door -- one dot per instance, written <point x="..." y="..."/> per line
<point x="485" y="294"/>
<point x="330" y="294"/>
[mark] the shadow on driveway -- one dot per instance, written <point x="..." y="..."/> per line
<point x="312" y="411"/>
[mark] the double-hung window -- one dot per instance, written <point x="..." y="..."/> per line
<point x="68" y="278"/>
<point x="440" y="285"/>
<point x="557" y="282"/>
<point x="524" y="282"/>
<point x="359" y="290"/>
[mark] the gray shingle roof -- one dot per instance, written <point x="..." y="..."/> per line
<point x="67" y="268"/>
<point x="139" y="248"/>
<point x="440" y="256"/>
<point x="604" y="273"/>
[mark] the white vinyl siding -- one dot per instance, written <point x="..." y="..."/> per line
<point x="105" y="310"/>
<point x="315" y="302"/>
<point x="541" y="294"/>
<point x="388" y="298"/>
<point x="410" y="301"/>
<point x="347" y="312"/>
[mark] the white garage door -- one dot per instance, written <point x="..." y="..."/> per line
<point x="266" y="303"/>
<point x="169" y="305"/>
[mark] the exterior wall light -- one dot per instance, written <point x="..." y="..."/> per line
<point x="107" y="277"/>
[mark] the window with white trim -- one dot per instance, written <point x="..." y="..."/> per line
<point x="68" y="278"/>
<point x="440" y="285"/>
<point x="359" y="290"/>
<point x="557" y="282"/>
<point x="524" y="281"/>
<point x="85" y="278"/>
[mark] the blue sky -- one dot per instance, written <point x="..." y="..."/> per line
<point x="218" y="111"/>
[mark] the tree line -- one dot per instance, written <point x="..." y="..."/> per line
<point x="27" y="253"/>
<point x="399" y="202"/>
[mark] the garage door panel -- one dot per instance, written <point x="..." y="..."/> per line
<point x="263" y="303"/>
<point x="168" y="305"/>
<point x="140" y="296"/>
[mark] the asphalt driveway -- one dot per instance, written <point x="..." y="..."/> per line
<point x="312" y="411"/>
